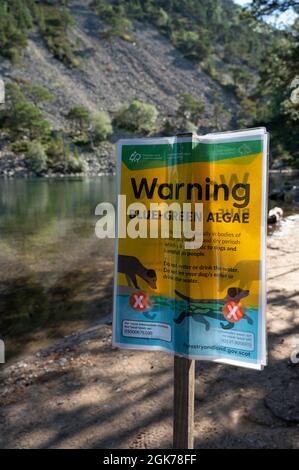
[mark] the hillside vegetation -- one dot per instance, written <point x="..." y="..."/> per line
<point x="79" y="73"/>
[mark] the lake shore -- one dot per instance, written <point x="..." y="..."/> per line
<point x="74" y="393"/>
<point x="99" y="161"/>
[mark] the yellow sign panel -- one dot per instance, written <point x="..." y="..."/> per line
<point x="190" y="263"/>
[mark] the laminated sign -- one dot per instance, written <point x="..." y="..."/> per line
<point x="190" y="257"/>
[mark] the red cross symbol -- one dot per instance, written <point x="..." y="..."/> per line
<point x="138" y="301"/>
<point x="233" y="312"/>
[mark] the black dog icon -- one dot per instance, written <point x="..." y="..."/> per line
<point x="132" y="267"/>
<point x="199" y="309"/>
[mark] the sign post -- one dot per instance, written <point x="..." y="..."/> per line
<point x="183" y="395"/>
<point x="183" y="403"/>
<point x="190" y="256"/>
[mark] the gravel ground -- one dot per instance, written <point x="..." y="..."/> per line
<point x="82" y="393"/>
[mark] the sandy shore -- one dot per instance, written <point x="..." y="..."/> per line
<point x="81" y="393"/>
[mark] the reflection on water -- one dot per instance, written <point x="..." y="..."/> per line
<point x="55" y="275"/>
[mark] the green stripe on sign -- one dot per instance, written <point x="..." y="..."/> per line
<point x="142" y="157"/>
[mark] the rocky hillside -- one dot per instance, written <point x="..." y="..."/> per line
<point x="110" y="72"/>
<point x="113" y="71"/>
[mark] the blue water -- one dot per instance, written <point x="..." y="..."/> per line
<point x="190" y="337"/>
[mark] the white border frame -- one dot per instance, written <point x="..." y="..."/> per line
<point x="250" y="134"/>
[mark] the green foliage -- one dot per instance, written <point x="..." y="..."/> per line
<point x="242" y="79"/>
<point x="15" y="21"/>
<point x="248" y="114"/>
<point x="36" y="157"/>
<point x="20" y="146"/>
<point x="101" y="127"/>
<point x="169" y="128"/>
<point x="119" y="26"/>
<point x="161" y="18"/>
<point x="18" y="17"/>
<point x="194" y="45"/>
<point x="187" y="117"/>
<point x="76" y="164"/>
<point x="220" y="114"/>
<point x="22" y="117"/>
<point x="115" y="17"/>
<point x="137" y="116"/>
<point x="57" y="150"/>
<point x="79" y="117"/>
<point x="275" y="92"/>
<point x="191" y="108"/>
<point x="197" y="27"/>
<point x="53" y="24"/>
<point x="64" y="157"/>
<point x="38" y="94"/>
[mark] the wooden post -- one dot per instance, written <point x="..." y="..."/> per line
<point x="183" y="394"/>
<point x="183" y="403"/>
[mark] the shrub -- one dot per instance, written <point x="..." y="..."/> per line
<point x="189" y="127"/>
<point x="57" y="150"/>
<point x="119" y="27"/>
<point x="101" y="127"/>
<point x="161" y="18"/>
<point x="53" y="23"/>
<point x="137" y="116"/>
<point x="38" y="94"/>
<point x="20" y="146"/>
<point x="76" y="164"/>
<point x="82" y="140"/>
<point x="24" y="118"/>
<point x="80" y="117"/>
<point x="194" y="45"/>
<point x="13" y="55"/>
<point x="36" y="157"/>
<point x="169" y="128"/>
<point x="190" y="108"/>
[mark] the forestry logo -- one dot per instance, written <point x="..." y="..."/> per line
<point x="2" y="352"/>
<point x="135" y="157"/>
<point x="244" y="149"/>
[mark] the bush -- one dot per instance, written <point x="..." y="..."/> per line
<point x="38" y="94"/>
<point x="13" y="55"/>
<point x="161" y="18"/>
<point x="80" y="117"/>
<point x="53" y="23"/>
<point x="137" y="116"/>
<point x="101" y="127"/>
<point x="82" y="140"/>
<point x="36" y="157"/>
<point x="189" y="127"/>
<point x="57" y="150"/>
<point x="20" y="146"/>
<point x="76" y="164"/>
<point x="169" y="128"/>
<point x="119" y="27"/>
<point x="190" y="108"/>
